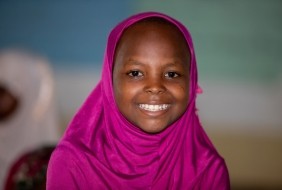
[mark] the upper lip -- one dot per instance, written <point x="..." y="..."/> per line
<point x="154" y="100"/>
<point x="154" y="103"/>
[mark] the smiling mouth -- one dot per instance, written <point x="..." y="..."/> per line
<point x="154" y="108"/>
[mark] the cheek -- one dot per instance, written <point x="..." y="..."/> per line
<point x="117" y="86"/>
<point x="125" y="92"/>
<point x="181" y="98"/>
<point x="180" y="92"/>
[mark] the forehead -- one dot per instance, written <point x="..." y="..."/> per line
<point x="150" y="23"/>
<point x="155" y="29"/>
<point x="154" y="20"/>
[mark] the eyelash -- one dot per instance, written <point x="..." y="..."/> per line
<point x="175" y="74"/>
<point x="137" y="74"/>
<point x="134" y="72"/>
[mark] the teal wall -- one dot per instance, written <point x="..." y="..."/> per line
<point x="68" y="32"/>
<point x="239" y="40"/>
<point x="236" y="40"/>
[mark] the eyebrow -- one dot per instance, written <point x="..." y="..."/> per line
<point x="134" y="62"/>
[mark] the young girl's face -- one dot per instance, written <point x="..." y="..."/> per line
<point x="151" y="75"/>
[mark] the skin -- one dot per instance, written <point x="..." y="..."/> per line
<point x="8" y="103"/>
<point x="151" y="66"/>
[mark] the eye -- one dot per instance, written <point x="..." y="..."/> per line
<point x="135" y="73"/>
<point x="171" y="74"/>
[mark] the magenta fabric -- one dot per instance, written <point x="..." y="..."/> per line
<point x="102" y="150"/>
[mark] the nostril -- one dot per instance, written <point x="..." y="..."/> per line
<point x="155" y="89"/>
<point x="155" y="85"/>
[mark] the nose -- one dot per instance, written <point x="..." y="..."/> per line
<point x="155" y="86"/>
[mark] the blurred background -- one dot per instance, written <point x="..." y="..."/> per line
<point x="238" y="47"/>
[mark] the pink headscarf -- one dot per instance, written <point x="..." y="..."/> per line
<point x="102" y="150"/>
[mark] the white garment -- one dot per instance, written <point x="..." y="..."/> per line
<point x="34" y="124"/>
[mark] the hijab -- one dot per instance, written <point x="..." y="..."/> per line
<point x="102" y="150"/>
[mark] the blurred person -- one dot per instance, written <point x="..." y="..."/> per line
<point x="139" y="128"/>
<point x="28" y="117"/>
<point x="28" y="172"/>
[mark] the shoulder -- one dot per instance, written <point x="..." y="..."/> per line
<point x="62" y="172"/>
<point x="215" y="175"/>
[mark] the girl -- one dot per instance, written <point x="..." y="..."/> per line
<point x="139" y="129"/>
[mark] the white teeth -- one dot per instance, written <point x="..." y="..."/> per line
<point x="149" y="107"/>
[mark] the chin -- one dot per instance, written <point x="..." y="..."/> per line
<point x="153" y="129"/>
